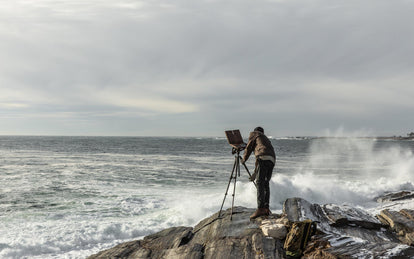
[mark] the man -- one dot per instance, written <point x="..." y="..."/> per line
<point x="265" y="161"/>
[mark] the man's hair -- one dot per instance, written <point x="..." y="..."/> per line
<point x="259" y="129"/>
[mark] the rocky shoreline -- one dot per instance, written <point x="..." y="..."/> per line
<point x="343" y="232"/>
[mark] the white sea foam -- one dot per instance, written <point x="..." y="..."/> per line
<point x="76" y="237"/>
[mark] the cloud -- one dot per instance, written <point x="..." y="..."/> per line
<point x="146" y="103"/>
<point x="320" y="62"/>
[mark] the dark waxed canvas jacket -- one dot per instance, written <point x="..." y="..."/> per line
<point x="260" y="144"/>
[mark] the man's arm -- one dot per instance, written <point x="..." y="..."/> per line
<point x="249" y="148"/>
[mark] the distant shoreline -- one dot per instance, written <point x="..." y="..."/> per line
<point x="346" y="137"/>
<point x="214" y="137"/>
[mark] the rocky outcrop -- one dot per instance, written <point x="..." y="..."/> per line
<point x="212" y="238"/>
<point x="343" y="232"/>
<point x="346" y="232"/>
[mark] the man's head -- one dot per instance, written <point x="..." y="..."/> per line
<point x="260" y="129"/>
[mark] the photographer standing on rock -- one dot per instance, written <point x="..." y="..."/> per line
<point x="265" y="162"/>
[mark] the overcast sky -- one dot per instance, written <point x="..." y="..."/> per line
<point x="199" y="67"/>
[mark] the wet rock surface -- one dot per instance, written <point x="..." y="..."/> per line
<point x="343" y="232"/>
<point x="401" y="222"/>
<point x="347" y="232"/>
<point x="396" y="196"/>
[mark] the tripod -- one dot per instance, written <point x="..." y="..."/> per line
<point x="234" y="173"/>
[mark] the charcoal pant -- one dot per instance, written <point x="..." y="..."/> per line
<point x="264" y="173"/>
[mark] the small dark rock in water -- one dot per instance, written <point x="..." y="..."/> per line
<point x="343" y="232"/>
<point x="403" y="195"/>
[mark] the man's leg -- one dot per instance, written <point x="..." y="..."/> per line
<point x="264" y="173"/>
<point x="265" y="170"/>
<point x="261" y="184"/>
<point x="268" y="165"/>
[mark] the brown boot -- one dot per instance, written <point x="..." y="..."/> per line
<point x="259" y="212"/>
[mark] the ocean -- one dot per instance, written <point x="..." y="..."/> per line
<point x="70" y="197"/>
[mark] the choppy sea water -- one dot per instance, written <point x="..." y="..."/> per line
<point x="70" y="197"/>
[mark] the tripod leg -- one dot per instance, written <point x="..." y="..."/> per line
<point x="237" y="163"/>
<point x="228" y="185"/>
<point x="247" y="169"/>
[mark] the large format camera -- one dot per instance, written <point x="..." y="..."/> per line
<point x="235" y="140"/>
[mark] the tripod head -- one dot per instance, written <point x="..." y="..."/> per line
<point x="237" y="149"/>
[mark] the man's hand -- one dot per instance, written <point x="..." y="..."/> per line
<point x="253" y="177"/>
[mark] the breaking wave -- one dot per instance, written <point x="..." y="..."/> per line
<point x="343" y="170"/>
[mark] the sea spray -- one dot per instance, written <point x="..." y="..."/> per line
<point x="338" y="170"/>
<point x="346" y="170"/>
